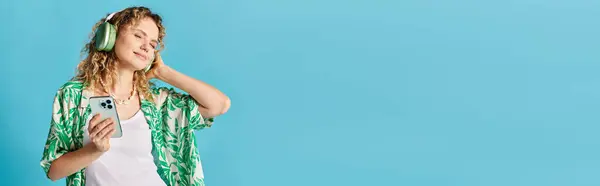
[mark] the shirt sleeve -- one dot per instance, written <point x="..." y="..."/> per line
<point x="180" y="109"/>
<point x="58" y="141"/>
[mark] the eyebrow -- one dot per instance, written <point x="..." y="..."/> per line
<point x="153" y="40"/>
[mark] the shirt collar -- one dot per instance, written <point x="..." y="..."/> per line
<point x="86" y="94"/>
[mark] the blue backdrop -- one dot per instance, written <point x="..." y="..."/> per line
<point x="331" y="92"/>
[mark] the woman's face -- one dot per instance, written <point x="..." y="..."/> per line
<point x="136" y="44"/>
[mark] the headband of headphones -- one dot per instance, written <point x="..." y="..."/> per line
<point x="112" y="14"/>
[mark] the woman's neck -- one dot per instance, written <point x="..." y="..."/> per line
<point x="123" y="85"/>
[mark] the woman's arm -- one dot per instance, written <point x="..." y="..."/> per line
<point x="100" y="132"/>
<point x="72" y="162"/>
<point x="212" y="101"/>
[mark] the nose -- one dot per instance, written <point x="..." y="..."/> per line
<point x="145" y="47"/>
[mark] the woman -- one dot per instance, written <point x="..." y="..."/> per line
<point x="157" y="146"/>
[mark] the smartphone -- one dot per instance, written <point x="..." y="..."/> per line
<point x="105" y="106"/>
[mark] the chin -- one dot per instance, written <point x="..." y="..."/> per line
<point x="137" y="64"/>
<point x="133" y="65"/>
<point x="141" y="65"/>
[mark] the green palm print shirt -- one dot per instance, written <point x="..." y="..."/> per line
<point x="173" y="117"/>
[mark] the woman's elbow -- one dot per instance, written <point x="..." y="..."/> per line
<point x="217" y="110"/>
<point x="226" y="105"/>
<point x="52" y="175"/>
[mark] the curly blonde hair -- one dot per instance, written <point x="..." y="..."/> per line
<point x="99" y="69"/>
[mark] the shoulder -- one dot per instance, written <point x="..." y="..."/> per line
<point x="160" y="93"/>
<point x="72" y="85"/>
<point x="168" y="94"/>
<point x="69" y="90"/>
<point x="159" y="90"/>
<point x="163" y="91"/>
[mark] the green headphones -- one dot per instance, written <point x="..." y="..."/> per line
<point x="106" y="35"/>
<point x="149" y="64"/>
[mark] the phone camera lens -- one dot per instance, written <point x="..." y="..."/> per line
<point x="109" y="106"/>
<point x="108" y="101"/>
<point x="103" y="104"/>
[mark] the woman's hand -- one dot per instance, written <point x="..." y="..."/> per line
<point x="157" y="66"/>
<point x="100" y="132"/>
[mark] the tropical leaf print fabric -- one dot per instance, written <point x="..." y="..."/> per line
<point x="173" y="117"/>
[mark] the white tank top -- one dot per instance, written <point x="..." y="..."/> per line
<point x="129" y="160"/>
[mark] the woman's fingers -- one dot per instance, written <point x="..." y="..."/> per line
<point x="93" y="122"/>
<point x="108" y="134"/>
<point x="100" y="132"/>
<point x="106" y="130"/>
<point x="100" y="127"/>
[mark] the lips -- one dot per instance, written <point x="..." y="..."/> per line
<point x="141" y="56"/>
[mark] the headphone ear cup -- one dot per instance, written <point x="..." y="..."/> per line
<point x="105" y="38"/>
<point x="149" y="64"/>
<point x="148" y="67"/>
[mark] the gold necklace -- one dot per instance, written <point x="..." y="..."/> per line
<point x="119" y="101"/>
<point x="123" y="102"/>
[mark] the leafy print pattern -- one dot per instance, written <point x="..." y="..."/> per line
<point x="173" y="117"/>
